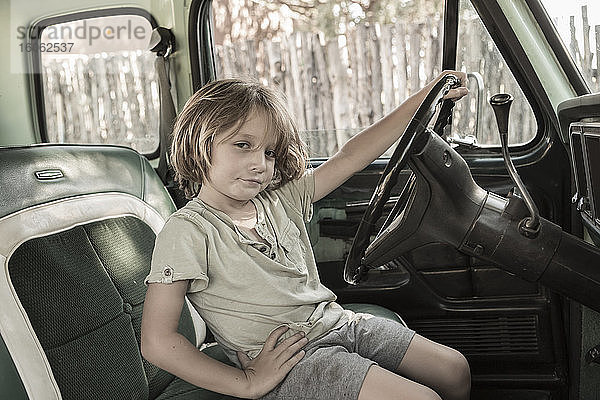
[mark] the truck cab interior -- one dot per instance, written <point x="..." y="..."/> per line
<point x="479" y="229"/>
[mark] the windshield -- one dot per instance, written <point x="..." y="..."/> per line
<point x="578" y="23"/>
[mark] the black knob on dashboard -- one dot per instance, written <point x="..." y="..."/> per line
<point x="501" y="104"/>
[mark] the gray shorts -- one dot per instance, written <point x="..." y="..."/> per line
<point x="335" y="365"/>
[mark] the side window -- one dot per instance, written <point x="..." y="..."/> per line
<point x="98" y="81"/>
<point x="488" y="74"/>
<point x="578" y="24"/>
<point x="341" y="65"/>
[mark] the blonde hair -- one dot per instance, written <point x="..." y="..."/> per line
<point x="225" y="105"/>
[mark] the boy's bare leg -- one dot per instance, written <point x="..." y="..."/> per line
<point x="439" y="367"/>
<point x="383" y="384"/>
<point x="428" y="371"/>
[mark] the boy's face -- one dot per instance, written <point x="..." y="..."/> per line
<point x="242" y="165"/>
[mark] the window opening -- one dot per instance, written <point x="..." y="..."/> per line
<point x="478" y="55"/>
<point x="578" y="24"/>
<point x="341" y="65"/>
<point x="99" y="82"/>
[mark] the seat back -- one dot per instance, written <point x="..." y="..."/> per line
<point x="77" y="229"/>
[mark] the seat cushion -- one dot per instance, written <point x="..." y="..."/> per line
<point x="82" y="286"/>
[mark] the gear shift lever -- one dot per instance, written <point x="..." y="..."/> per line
<point x="501" y="102"/>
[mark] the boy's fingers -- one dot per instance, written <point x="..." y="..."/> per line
<point x="274" y="336"/>
<point x="289" y="364"/>
<point x="462" y="76"/>
<point x="285" y="344"/>
<point x="456" y="93"/>
<point x="292" y="349"/>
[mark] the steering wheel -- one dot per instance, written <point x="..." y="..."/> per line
<point x="411" y="142"/>
<point x="442" y="203"/>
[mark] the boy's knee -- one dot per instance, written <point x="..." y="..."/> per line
<point x="429" y="394"/>
<point x="460" y="364"/>
<point x="459" y="378"/>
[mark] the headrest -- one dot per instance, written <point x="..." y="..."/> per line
<point x="39" y="174"/>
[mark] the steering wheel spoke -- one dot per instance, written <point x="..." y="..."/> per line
<point x="400" y="204"/>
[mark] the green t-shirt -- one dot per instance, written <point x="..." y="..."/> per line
<point x="242" y="288"/>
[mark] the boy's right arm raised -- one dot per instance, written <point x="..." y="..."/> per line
<point x="164" y="347"/>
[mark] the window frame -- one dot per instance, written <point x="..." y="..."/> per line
<point x="499" y="29"/>
<point x="201" y="45"/>
<point x="517" y="62"/>
<point x="38" y="26"/>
